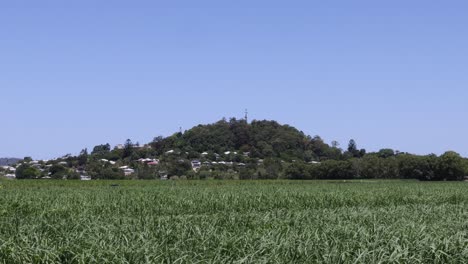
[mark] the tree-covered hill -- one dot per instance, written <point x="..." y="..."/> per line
<point x="262" y="139"/>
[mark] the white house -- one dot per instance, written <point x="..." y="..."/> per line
<point x="196" y="165"/>
<point x="153" y="163"/>
<point x="8" y="168"/>
<point x="148" y="160"/>
<point x="85" y="178"/>
<point x="119" y="146"/>
<point x="128" y="172"/>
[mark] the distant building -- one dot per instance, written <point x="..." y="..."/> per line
<point x="85" y="178"/>
<point x="128" y="171"/>
<point x="149" y="161"/>
<point x="8" y="168"/>
<point x="119" y="146"/>
<point x="196" y="165"/>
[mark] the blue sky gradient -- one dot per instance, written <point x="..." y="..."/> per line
<point x="74" y="74"/>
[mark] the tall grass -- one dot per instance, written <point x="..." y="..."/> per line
<point x="233" y="222"/>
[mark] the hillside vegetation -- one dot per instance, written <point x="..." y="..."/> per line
<point x="235" y="149"/>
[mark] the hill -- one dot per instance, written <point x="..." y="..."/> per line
<point x="261" y="139"/>
<point x="8" y="161"/>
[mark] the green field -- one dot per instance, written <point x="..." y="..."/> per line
<point x="233" y="222"/>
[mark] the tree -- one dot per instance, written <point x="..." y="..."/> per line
<point x="352" y="146"/>
<point x="58" y="171"/>
<point x="101" y="150"/>
<point x="450" y="166"/>
<point x="128" y="149"/>
<point x="353" y="150"/>
<point x="297" y="171"/>
<point x="83" y="157"/>
<point x="273" y="168"/>
<point x="386" y="153"/>
<point x="27" y="172"/>
<point x="335" y="144"/>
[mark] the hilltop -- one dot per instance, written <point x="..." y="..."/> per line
<point x="261" y="139"/>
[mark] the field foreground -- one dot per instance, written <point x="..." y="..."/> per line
<point x="233" y="222"/>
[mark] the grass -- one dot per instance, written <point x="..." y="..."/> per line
<point x="233" y="222"/>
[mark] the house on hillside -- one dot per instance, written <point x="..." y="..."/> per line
<point x="11" y="176"/>
<point x="8" y="169"/>
<point x="85" y="178"/>
<point x="196" y="165"/>
<point x="128" y="171"/>
<point x="149" y="161"/>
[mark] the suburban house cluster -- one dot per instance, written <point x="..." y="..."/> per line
<point x="206" y="159"/>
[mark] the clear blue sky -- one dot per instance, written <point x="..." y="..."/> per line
<point x="74" y="74"/>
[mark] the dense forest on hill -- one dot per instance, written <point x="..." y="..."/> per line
<point x="261" y="139"/>
<point x="236" y="149"/>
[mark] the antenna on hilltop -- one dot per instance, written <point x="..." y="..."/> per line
<point x="246" y="116"/>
